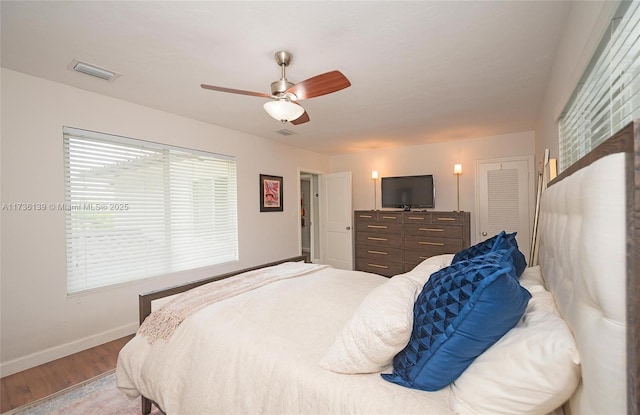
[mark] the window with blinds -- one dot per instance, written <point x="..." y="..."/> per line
<point x="136" y="209"/>
<point x="608" y="95"/>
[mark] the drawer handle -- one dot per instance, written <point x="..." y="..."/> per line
<point x="371" y="238"/>
<point x="378" y="252"/>
<point x="431" y="243"/>
<point x="389" y="217"/>
<point x="450" y="219"/>
<point x="366" y="216"/>
<point x="431" y="230"/>
<point x="378" y="266"/>
<point x="415" y="218"/>
<point x="377" y="226"/>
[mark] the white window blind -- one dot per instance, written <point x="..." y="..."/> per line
<point x="136" y="209"/>
<point x="608" y="95"/>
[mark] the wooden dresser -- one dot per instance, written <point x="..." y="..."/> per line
<point x="393" y="242"/>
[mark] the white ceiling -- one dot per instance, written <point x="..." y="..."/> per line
<point x="421" y="71"/>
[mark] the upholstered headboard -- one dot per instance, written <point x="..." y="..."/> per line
<point x="588" y="253"/>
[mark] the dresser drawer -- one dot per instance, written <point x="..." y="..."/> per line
<point x="427" y="242"/>
<point x="365" y="216"/>
<point x="388" y="269"/>
<point x="433" y="230"/>
<point x="379" y="227"/>
<point x="420" y="218"/>
<point x="377" y="216"/>
<point x="382" y="253"/>
<point x="379" y="239"/>
<point x="390" y="217"/>
<point x="447" y="218"/>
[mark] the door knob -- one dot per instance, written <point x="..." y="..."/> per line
<point x="484" y="234"/>
<point x="348" y="228"/>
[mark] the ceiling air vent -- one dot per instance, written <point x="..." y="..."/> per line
<point x="285" y="132"/>
<point x="93" y="70"/>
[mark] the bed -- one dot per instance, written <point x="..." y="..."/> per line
<point x="296" y="338"/>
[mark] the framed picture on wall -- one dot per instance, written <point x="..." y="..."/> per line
<point x="270" y="193"/>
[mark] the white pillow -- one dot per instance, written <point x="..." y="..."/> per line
<point x="531" y="276"/>
<point x="423" y="270"/>
<point x="380" y="327"/>
<point x="533" y="369"/>
<point x="382" y="324"/>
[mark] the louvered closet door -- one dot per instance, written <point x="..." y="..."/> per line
<point x="504" y="199"/>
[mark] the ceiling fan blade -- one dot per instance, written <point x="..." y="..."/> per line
<point x="235" y="91"/>
<point x="320" y="85"/>
<point x="301" y="119"/>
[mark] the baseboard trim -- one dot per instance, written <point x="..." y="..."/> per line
<point x="56" y="352"/>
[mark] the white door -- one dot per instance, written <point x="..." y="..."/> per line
<point x="505" y="194"/>
<point x="336" y="235"/>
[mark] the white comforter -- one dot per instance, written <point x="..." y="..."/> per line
<point x="258" y="353"/>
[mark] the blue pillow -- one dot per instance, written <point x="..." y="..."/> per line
<point x="519" y="262"/>
<point x="462" y="310"/>
<point x="478" y="249"/>
<point x="499" y="241"/>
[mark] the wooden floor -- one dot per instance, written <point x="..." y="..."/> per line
<point x="35" y="383"/>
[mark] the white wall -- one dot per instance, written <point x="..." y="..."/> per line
<point x="38" y="321"/>
<point x="586" y="25"/>
<point x="437" y="159"/>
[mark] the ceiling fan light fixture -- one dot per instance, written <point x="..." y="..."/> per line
<point x="283" y="110"/>
<point x="285" y="94"/>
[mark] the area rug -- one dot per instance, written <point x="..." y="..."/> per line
<point x="98" y="395"/>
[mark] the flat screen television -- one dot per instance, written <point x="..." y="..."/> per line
<point x="408" y="192"/>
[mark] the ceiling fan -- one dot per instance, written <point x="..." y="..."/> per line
<point x="285" y="95"/>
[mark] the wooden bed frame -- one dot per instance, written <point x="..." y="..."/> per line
<point x="626" y="140"/>
<point x="145" y="300"/>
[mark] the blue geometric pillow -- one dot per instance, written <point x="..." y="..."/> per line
<point x="519" y="262"/>
<point x="478" y="249"/>
<point x="462" y="310"/>
<point x="499" y="241"/>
